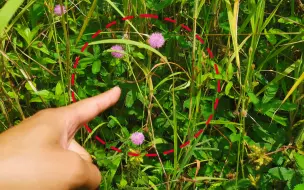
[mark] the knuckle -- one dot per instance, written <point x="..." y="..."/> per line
<point x="45" y="112"/>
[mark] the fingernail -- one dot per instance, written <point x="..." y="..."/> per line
<point x="116" y="88"/>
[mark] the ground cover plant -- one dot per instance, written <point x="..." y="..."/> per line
<point x="212" y="91"/>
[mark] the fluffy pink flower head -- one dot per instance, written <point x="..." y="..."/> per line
<point x="57" y="10"/>
<point x="117" y="54"/>
<point x="156" y="40"/>
<point x="137" y="138"/>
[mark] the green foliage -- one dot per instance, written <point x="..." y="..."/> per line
<point x="255" y="138"/>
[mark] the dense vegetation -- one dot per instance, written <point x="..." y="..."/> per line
<point x="255" y="138"/>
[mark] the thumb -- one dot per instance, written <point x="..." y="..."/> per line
<point x="93" y="174"/>
<point x="75" y="147"/>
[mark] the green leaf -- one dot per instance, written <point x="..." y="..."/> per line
<point x="271" y="37"/>
<point x="279" y="32"/>
<point x="290" y="20"/>
<point x="228" y="87"/>
<point x="253" y="98"/>
<point x="40" y="46"/>
<point x="49" y="60"/>
<point x="123" y="183"/>
<point x="299" y="187"/>
<point x="25" y="33"/>
<point x="58" y="90"/>
<point x="262" y="133"/>
<point x="28" y="86"/>
<point x="281" y="173"/>
<point x="139" y="55"/>
<point x="45" y="94"/>
<point x="130" y="98"/>
<point x="299" y="160"/>
<point x="270" y="92"/>
<point x="234" y="137"/>
<point x="96" y="66"/>
<point x="230" y="71"/>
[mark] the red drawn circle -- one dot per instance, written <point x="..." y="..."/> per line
<point x="185" y="27"/>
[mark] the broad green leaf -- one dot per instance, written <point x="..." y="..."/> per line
<point x="270" y="92"/>
<point x="28" y="86"/>
<point x="290" y="20"/>
<point x="271" y="37"/>
<point x="130" y="98"/>
<point x="299" y="187"/>
<point x="281" y="173"/>
<point x="228" y="87"/>
<point x="40" y="46"/>
<point x="230" y="71"/>
<point x="263" y="134"/>
<point x="139" y="55"/>
<point x="45" y="94"/>
<point x="299" y="160"/>
<point x="58" y="89"/>
<point x="25" y="33"/>
<point x="49" y="60"/>
<point x="278" y="119"/>
<point x="276" y="31"/>
<point x="234" y="137"/>
<point x="253" y="98"/>
<point x="96" y="66"/>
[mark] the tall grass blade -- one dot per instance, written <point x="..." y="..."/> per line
<point x="7" y="12"/>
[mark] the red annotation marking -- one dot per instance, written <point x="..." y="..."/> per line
<point x="87" y="128"/>
<point x="116" y="149"/>
<point x="96" y="34"/>
<point x="110" y="24"/>
<point x="133" y="154"/>
<point x="73" y="79"/>
<point x="216" y="103"/>
<point x="76" y="62"/>
<point x="127" y="18"/>
<point x="73" y="97"/>
<point x="216" y="69"/>
<point x="209" y="119"/>
<point x="186" y="27"/>
<point x="100" y="140"/>
<point x="168" y="151"/>
<point x="168" y="20"/>
<point x="210" y="53"/>
<point x="185" y="144"/>
<point x="151" y="155"/>
<point x="199" y="38"/>
<point x="198" y="133"/>
<point x="148" y="16"/>
<point x="218" y="86"/>
<point x="84" y="46"/>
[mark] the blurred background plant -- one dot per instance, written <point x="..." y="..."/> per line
<point x="255" y="140"/>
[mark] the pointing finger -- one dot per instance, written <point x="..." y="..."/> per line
<point x="85" y="110"/>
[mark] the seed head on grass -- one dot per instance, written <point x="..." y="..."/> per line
<point x="115" y="53"/>
<point x="57" y="10"/>
<point x="137" y="138"/>
<point x="156" y="40"/>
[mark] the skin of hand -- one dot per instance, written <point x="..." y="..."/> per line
<point x="41" y="153"/>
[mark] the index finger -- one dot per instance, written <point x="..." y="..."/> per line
<point x="85" y="110"/>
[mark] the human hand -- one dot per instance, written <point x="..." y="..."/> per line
<point x="41" y="153"/>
